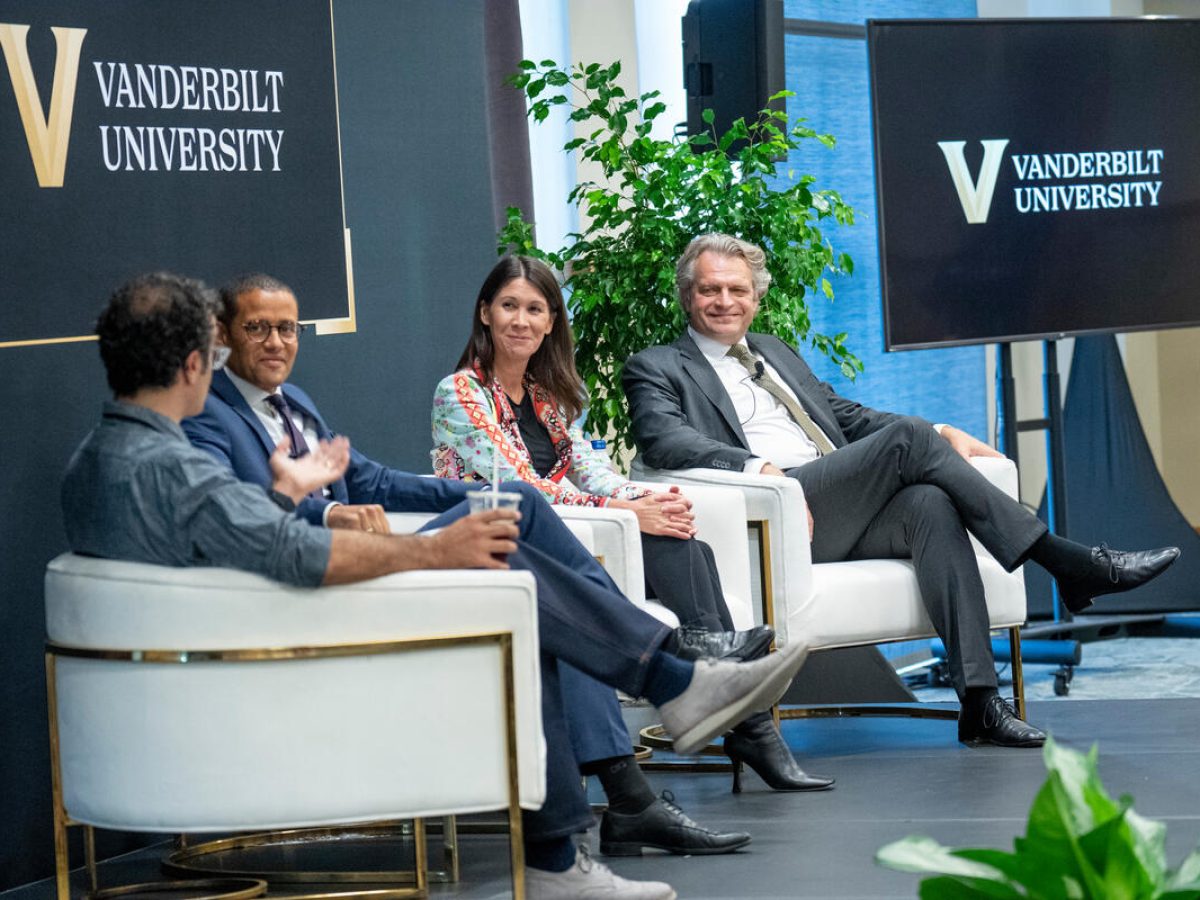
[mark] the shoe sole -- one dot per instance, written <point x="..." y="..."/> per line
<point x="625" y="848"/>
<point x="984" y="742"/>
<point x="762" y="697"/>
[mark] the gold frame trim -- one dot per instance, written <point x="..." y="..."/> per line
<point x="502" y="639"/>
<point x="182" y="861"/>
<point x="249" y="888"/>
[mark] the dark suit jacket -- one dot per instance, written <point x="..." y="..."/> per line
<point x="683" y="417"/>
<point x="230" y="431"/>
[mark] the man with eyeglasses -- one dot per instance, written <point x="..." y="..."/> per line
<point x="251" y="409"/>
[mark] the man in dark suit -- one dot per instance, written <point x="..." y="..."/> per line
<point x="251" y="410"/>
<point x="876" y="484"/>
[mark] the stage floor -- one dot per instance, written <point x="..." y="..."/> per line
<point x="895" y="778"/>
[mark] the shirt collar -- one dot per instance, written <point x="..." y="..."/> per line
<point x="712" y="350"/>
<point x="143" y="415"/>
<point x="255" y="396"/>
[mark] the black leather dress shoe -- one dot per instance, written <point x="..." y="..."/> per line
<point x="1114" y="571"/>
<point x="696" y="643"/>
<point x="765" y="752"/>
<point x="664" y="826"/>
<point x="996" y="723"/>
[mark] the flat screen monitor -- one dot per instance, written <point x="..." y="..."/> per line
<point x="1036" y="178"/>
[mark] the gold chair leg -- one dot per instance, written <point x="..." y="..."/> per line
<point x="516" y="833"/>
<point x="420" y="858"/>
<point x="89" y="855"/>
<point x="1018" y="670"/>
<point x="450" y="857"/>
<point x="62" y="862"/>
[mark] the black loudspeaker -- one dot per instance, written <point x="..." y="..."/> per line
<point x="732" y="59"/>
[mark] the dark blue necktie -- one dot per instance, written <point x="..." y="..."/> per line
<point x="299" y="445"/>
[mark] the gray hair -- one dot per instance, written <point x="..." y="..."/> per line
<point x="722" y="245"/>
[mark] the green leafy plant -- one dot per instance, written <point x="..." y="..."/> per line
<point x="1079" y="844"/>
<point x="657" y="195"/>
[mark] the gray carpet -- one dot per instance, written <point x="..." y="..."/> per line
<point x="1119" y="669"/>
<point x="895" y="778"/>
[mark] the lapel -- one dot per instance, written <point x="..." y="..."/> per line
<point x="225" y="389"/>
<point x="303" y="405"/>
<point x="784" y="361"/>
<point x="698" y="369"/>
<point x="340" y="489"/>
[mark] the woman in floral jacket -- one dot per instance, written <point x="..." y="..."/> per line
<point x="514" y="407"/>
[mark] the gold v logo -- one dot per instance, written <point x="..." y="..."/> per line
<point x="975" y="197"/>
<point x="47" y="137"/>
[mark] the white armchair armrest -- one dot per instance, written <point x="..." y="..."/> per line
<point x="776" y="505"/>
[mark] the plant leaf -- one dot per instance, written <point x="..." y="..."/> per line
<point x="1187" y="876"/>
<point x="949" y="888"/>
<point x="924" y="854"/>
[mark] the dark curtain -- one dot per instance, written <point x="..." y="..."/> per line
<point x="508" y="137"/>
<point x="1114" y="491"/>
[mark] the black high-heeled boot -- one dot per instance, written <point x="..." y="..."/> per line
<point x="758" y="743"/>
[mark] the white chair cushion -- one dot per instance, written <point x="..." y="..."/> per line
<point x="877" y="600"/>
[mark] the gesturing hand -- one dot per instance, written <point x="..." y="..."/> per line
<point x="325" y="464"/>
<point x="478" y="541"/>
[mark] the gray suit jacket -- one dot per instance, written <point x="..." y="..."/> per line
<point x="683" y="417"/>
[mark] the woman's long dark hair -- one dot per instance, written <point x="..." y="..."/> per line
<point x="553" y="365"/>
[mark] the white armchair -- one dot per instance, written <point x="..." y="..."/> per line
<point x="616" y="541"/>
<point x="612" y="537"/>
<point x="848" y="604"/>
<point x="210" y="700"/>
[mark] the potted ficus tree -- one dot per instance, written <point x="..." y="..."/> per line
<point x="655" y="196"/>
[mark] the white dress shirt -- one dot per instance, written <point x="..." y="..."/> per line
<point x="771" y="432"/>
<point x="256" y="397"/>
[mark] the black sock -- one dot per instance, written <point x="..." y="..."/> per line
<point x="554" y="855"/>
<point x="976" y="698"/>
<point x="1060" y="557"/>
<point x="666" y="677"/>
<point x="626" y="787"/>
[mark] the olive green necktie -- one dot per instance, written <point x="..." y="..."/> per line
<point x="760" y="375"/>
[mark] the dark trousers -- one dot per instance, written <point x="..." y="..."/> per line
<point x="903" y="492"/>
<point x="584" y="621"/>
<point x="682" y="576"/>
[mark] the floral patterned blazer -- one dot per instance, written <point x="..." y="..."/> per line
<point x="474" y="424"/>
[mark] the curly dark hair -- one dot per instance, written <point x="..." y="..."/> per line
<point x="150" y="326"/>
<point x="553" y="366"/>
<point x="244" y="284"/>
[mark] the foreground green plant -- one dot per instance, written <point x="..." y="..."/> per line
<point x="658" y="195"/>
<point x="1079" y="844"/>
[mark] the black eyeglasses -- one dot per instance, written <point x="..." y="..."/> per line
<point x="260" y="331"/>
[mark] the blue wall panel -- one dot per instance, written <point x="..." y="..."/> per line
<point x="829" y="77"/>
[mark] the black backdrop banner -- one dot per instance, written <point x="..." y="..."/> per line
<point x="199" y="136"/>
<point x="1036" y="177"/>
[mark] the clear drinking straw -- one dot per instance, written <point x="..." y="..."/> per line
<point x="495" y="480"/>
